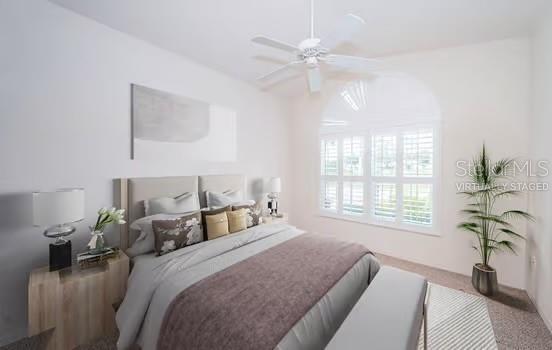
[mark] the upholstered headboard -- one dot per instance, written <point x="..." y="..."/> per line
<point x="219" y="183"/>
<point x="131" y="193"/>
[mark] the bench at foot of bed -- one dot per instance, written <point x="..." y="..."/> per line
<point x="388" y="315"/>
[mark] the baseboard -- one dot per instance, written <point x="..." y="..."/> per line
<point x="545" y="319"/>
<point x="12" y="335"/>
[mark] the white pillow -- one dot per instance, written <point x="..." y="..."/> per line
<point x="218" y="200"/>
<point x="143" y="246"/>
<point x="164" y="205"/>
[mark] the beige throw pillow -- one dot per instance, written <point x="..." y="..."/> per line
<point x="205" y="213"/>
<point x="217" y="225"/>
<point x="252" y="213"/>
<point x="237" y="220"/>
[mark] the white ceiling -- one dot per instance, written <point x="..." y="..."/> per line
<point x="217" y="33"/>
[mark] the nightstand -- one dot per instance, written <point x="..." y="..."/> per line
<point x="77" y="304"/>
<point x="276" y="219"/>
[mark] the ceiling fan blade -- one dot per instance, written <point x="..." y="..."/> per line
<point x="263" y="40"/>
<point x="278" y="72"/>
<point x="344" y="31"/>
<point x="352" y="62"/>
<point x="272" y="60"/>
<point x="315" y="79"/>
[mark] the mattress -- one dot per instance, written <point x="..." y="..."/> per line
<point x="156" y="281"/>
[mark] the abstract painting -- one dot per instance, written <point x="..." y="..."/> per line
<point x="172" y="127"/>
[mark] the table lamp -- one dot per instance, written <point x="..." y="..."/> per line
<point x="274" y="189"/>
<point x="56" y="211"/>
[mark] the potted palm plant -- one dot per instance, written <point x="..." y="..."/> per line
<point x="492" y="228"/>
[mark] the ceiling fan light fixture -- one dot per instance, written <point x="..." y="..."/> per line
<point x="312" y="52"/>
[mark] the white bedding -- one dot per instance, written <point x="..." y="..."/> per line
<point x="155" y="281"/>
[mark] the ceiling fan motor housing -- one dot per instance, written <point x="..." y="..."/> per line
<point x="309" y="43"/>
<point x="310" y="51"/>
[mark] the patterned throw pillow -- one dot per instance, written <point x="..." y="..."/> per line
<point x="253" y="213"/>
<point x="171" y="235"/>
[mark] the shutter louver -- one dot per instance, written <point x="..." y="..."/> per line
<point x="384" y="155"/>
<point x="418" y="153"/>
<point x="328" y="194"/>
<point x="385" y="201"/>
<point x="329" y="157"/>
<point x="353" y="198"/>
<point x="353" y="151"/>
<point x="417" y="204"/>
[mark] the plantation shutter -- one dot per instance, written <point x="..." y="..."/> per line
<point x="383" y="176"/>
<point x="353" y="198"/>
<point x="418" y="153"/>
<point x="329" y="157"/>
<point x="328" y="195"/>
<point x="384" y="155"/>
<point x="417" y="204"/>
<point x="385" y="201"/>
<point x="353" y="151"/>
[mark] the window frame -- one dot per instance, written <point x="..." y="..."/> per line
<point x="369" y="181"/>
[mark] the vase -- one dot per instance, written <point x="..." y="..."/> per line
<point x="484" y="279"/>
<point x="99" y="242"/>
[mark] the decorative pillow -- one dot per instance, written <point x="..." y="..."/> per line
<point x="143" y="246"/>
<point x="217" y="225"/>
<point x="217" y="200"/>
<point x="143" y="225"/>
<point x="171" y="235"/>
<point x="237" y="220"/>
<point x="185" y="203"/>
<point x="253" y="214"/>
<point x="204" y="214"/>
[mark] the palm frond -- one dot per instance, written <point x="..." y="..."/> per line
<point x="472" y="211"/>
<point x="493" y="218"/>
<point x="467" y="193"/>
<point x="502" y="169"/>
<point x="469" y="226"/>
<point x="511" y="233"/>
<point x="506" y="244"/>
<point x="516" y="214"/>
<point x="506" y="193"/>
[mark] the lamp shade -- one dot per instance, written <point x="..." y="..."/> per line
<point x="275" y="185"/>
<point x="58" y="207"/>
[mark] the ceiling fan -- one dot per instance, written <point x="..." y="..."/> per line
<point x="313" y="52"/>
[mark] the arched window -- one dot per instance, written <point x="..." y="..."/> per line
<point x="379" y="142"/>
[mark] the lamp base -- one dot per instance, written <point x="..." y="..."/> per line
<point x="60" y="255"/>
<point x="273" y="206"/>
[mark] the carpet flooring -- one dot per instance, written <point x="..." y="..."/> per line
<point x="515" y="321"/>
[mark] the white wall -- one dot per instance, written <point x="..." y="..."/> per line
<point x="65" y="121"/>
<point x="483" y="92"/>
<point x="539" y="246"/>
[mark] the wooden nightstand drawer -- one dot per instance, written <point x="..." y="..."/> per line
<point x="79" y="305"/>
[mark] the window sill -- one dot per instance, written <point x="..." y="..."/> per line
<point x="382" y="223"/>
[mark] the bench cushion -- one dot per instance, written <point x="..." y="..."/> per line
<point x="388" y="315"/>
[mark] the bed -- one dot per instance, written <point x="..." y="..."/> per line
<point x="263" y="287"/>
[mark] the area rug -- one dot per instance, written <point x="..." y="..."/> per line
<point x="457" y="320"/>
